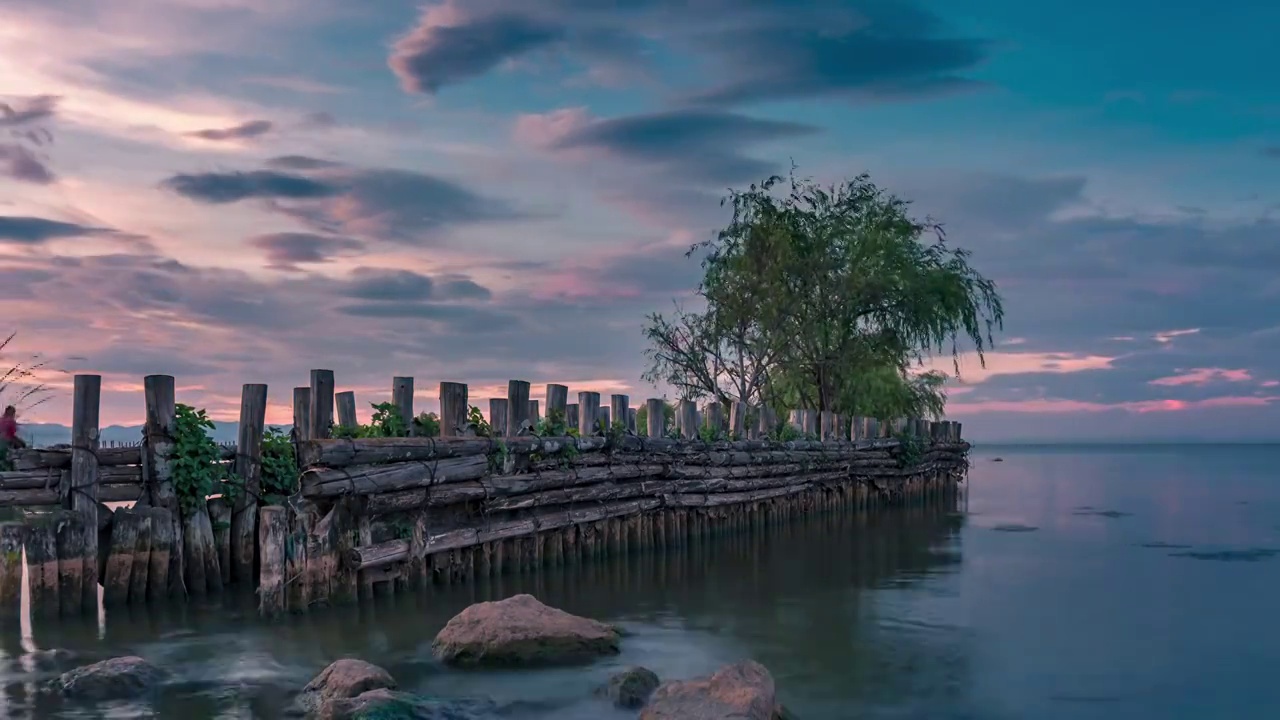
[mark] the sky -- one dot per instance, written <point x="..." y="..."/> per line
<point x="238" y="191"/>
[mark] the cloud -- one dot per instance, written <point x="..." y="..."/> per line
<point x="288" y="250"/>
<point x="300" y="162"/>
<point x="692" y="144"/>
<point x="19" y="163"/>
<point x="221" y="188"/>
<point x="1204" y="376"/>
<point x="380" y="284"/>
<point x="758" y="50"/>
<point x="1271" y="151"/>
<point x="23" y="230"/>
<point x="26" y="110"/>
<point x="244" y="131"/>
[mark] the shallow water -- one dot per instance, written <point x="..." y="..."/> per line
<point x="1123" y="582"/>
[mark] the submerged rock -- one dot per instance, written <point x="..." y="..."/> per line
<point x="630" y="688"/>
<point x="384" y="704"/>
<point x="521" y="631"/>
<point x="342" y="680"/>
<point x="742" y="691"/>
<point x="113" y="679"/>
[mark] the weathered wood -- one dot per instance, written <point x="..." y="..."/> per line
<point x="42" y="567"/>
<point x="140" y="573"/>
<point x="12" y="537"/>
<point x="557" y="399"/>
<point x="321" y="413"/>
<point x="203" y="575"/>
<point x="49" y="478"/>
<point x="124" y="549"/>
<point x="631" y="419"/>
<point x="244" y="518"/>
<point x="571" y="415"/>
<point x="162" y="546"/>
<point x="59" y="456"/>
<point x="301" y="414"/>
<point x="517" y="407"/>
<point x="604" y="420"/>
<point x="498" y="415"/>
<point x="70" y="530"/>
<point x="738" y="420"/>
<point x="826" y="425"/>
<point x="402" y="398"/>
<point x="535" y="412"/>
<point x="809" y="422"/>
<point x="346" y="403"/>
<point x="364" y="528"/>
<point x="618" y="407"/>
<point x="453" y="409"/>
<point x="41" y="497"/>
<point x="301" y="517"/>
<point x="82" y="488"/>
<point x="370" y="479"/>
<point x="688" y="417"/>
<point x="715" y="416"/>
<point x="767" y="422"/>
<point x="220" y="520"/>
<point x="272" y="531"/>
<point x="656" y="417"/>
<point x="158" y="443"/>
<point x="588" y="413"/>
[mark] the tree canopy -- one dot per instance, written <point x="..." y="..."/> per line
<point x="825" y="297"/>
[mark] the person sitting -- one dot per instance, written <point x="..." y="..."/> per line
<point x="9" y="430"/>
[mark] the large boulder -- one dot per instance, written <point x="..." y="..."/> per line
<point x="342" y="680"/>
<point x="114" y="679"/>
<point x="520" y="631"/>
<point x="630" y="688"/>
<point x="742" y="691"/>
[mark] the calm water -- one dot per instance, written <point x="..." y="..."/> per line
<point x="1053" y="592"/>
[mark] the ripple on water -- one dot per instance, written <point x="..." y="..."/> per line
<point x="1164" y="545"/>
<point x="1245" y="555"/>
<point x="1015" y="528"/>
<point x="1101" y="513"/>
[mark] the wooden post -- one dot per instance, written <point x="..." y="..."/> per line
<point x="42" y="567"/>
<point x="517" y="406"/>
<point x="535" y="411"/>
<point x="347" y="417"/>
<point x="738" y="420"/>
<point x="244" y="519"/>
<point x="557" y="398"/>
<point x="604" y="420"/>
<point x="571" y="415"/>
<point x="12" y="536"/>
<point x="715" y="416"/>
<point x="688" y="419"/>
<point x="631" y="419"/>
<point x="302" y="413"/>
<point x="498" y="416"/>
<point x="220" y="518"/>
<point x="297" y="580"/>
<point x="159" y="562"/>
<point x="955" y="431"/>
<point x="82" y="490"/>
<point x="588" y="413"/>
<point x="271" y="538"/>
<point x="656" y="410"/>
<point x="141" y="572"/>
<point x="70" y="529"/>
<point x="124" y="546"/>
<point x="321" y="414"/>
<point x="618" y="406"/>
<point x="157" y="451"/>
<point x="402" y="398"/>
<point x="826" y="425"/>
<point x="767" y="422"/>
<point x="453" y="408"/>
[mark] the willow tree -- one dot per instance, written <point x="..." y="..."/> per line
<point x="842" y="295"/>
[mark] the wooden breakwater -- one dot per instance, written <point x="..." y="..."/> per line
<point x="463" y="496"/>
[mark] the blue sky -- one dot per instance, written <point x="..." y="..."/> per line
<point x="237" y="191"/>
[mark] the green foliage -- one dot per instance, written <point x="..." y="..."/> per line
<point x="668" y="422"/>
<point x="709" y="434"/>
<point x="385" y="422"/>
<point x="194" y="464"/>
<point x="279" y="467"/>
<point x="785" y="432"/>
<point x="427" y="424"/>
<point x="554" y="425"/>
<point x="477" y="423"/>
<point x="910" y="450"/>
<point x="828" y="298"/>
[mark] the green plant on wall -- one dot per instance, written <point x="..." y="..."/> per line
<point x="477" y="423"/>
<point x="554" y="425"/>
<point x="195" y="468"/>
<point x="386" y="422"/>
<point x="910" y="450"/>
<point x="279" y="468"/>
<point x="427" y="424"/>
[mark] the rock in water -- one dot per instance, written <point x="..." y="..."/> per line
<point x="342" y="680"/>
<point x="631" y="687"/>
<point x="114" y="679"/>
<point x="743" y="691"/>
<point x="521" y="631"/>
<point x="386" y="704"/>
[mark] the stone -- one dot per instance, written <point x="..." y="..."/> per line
<point x="385" y="704"/>
<point x="341" y="680"/>
<point x="114" y="679"/>
<point x="521" y="631"/>
<point x="631" y="687"/>
<point x="742" y="691"/>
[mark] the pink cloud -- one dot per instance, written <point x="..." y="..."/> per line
<point x="1168" y="335"/>
<point x="1203" y="376"/>
<point x="1058" y="406"/>
<point x="1016" y="363"/>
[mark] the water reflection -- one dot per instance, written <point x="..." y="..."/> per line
<point x="835" y="605"/>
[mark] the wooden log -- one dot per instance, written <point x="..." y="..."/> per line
<point x="768" y="421"/>
<point x="203" y="575"/>
<point x="809" y="422"/>
<point x="321" y="413"/>
<point x="70" y="529"/>
<point x="498" y="415"/>
<point x="343" y="588"/>
<point x="631" y="419"/>
<point x="517" y="407"/>
<point x="417" y="565"/>
<point x="715" y="416"/>
<point x="321" y="564"/>
<point x="59" y="457"/>
<point x="688" y="417"/>
<point x="618" y="407"/>
<point x="50" y="479"/>
<point x="346" y="402"/>
<point x="571" y="415"/>
<point x="656" y="417"/>
<point x="82" y="488"/>
<point x="557" y="400"/>
<point x="158" y="563"/>
<point x="453" y="409"/>
<point x="158" y="435"/>
<point x="42" y="567"/>
<point x="272" y="531"/>
<point x="301" y="414"/>
<point x="588" y="413"/>
<point x="604" y="422"/>
<point x="364" y="529"/>
<point x="402" y="398"/>
<point x="535" y="413"/>
<point x="301" y="517"/>
<point x="826" y="425"/>
<point x="371" y="479"/>
<point x="121" y="557"/>
<point x="140" y="573"/>
<point x="12" y="537"/>
<point x="738" y="420"/>
<point x="220" y="520"/>
<point x="244" y="519"/>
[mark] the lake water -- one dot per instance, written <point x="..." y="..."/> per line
<point x="1069" y="582"/>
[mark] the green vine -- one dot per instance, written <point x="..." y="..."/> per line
<point x="477" y="423"/>
<point x="554" y="425"/>
<point x="279" y="468"/>
<point x="427" y="424"/>
<point x="709" y="434"/>
<point x="910" y="450"/>
<point x="194" y="466"/>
